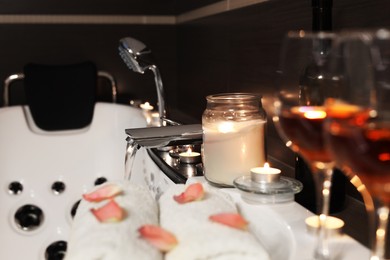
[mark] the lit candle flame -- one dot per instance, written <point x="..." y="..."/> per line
<point x="315" y="114"/>
<point x="312" y="112"/>
<point x="226" y="127"/>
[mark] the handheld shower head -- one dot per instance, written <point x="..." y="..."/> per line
<point x="139" y="58"/>
<point x="135" y="54"/>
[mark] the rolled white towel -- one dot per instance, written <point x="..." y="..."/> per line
<point x="199" y="238"/>
<point x="93" y="240"/>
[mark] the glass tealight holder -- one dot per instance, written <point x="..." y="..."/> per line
<point x="265" y="185"/>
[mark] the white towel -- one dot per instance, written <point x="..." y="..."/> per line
<point x="198" y="237"/>
<point x="92" y="240"/>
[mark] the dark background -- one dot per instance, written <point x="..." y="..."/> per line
<point x="230" y="51"/>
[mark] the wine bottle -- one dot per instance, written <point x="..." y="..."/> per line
<point x="321" y="21"/>
<point x="322" y="15"/>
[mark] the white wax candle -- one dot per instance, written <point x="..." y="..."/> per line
<point x="265" y="174"/>
<point x="189" y="156"/>
<point x="155" y="119"/>
<point x="231" y="149"/>
<point x="265" y="170"/>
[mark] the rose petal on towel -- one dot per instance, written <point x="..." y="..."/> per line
<point x="233" y="220"/>
<point x="158" y="237"/>
<point x="105" y="192"/>
<point x="110" y="212"/>
<point x="193" y="192"/>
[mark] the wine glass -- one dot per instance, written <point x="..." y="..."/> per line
<point x="299" y="113"/>
<point x="357" y="128"/>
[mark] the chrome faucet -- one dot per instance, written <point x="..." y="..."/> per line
<point x="139" y="59"/>
<point x="155" y="137"/>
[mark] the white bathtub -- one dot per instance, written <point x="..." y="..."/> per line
<point x="37" y="160"/>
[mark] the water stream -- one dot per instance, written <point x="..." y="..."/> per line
<point x="131" y="150"/>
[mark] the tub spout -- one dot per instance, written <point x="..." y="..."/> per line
<point x="155" y="137"/>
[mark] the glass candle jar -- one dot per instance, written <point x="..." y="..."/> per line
<point x="233" y="136"/>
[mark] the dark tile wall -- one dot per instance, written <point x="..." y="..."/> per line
<point x="188" y="5"/>
<point x="142" y="7"/>
<point x="64" y="44"/>
<point x="239" y="50"/>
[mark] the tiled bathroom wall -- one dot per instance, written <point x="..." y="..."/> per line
<point x="238" y="50"/>
<point x="72" y="31"/>
<point x="201" y="47"/>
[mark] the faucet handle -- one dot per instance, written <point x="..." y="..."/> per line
<point x="170" y="122"/>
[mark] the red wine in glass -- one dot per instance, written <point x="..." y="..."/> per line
<point x="362" y="143"/>
<point x="302" y="125"/>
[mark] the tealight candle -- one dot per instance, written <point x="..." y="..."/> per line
<point x="332" y="224"/>
<point x="147" y="109"/>
<point x="155" y="119"/>
<point x="265" y="174"/>
<point x="146" y="106"/>
<point x="189" y="157"/>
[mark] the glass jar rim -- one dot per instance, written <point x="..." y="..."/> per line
<point x="233" y="97"/>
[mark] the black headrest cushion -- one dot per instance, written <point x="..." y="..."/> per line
<point x="61" y="97"/>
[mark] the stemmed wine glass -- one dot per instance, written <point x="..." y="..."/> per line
<point x="300" y="112"/>
<point x="357" y="128"/>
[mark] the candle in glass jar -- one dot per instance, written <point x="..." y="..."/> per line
<point x="231" y="149"/>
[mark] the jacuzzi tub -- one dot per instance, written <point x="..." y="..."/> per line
<point x="53" y="170"/>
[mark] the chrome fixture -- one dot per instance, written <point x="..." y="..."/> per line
<point x="156" y="137"/>
<point x="20" y="76"/>
<point x="139" y="59"/>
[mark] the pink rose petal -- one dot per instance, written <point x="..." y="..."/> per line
<point x="110" y="212"/>
<point x="193" y="192"/>
<point x="233" y="220"/>
<point x="158" y="237"/>
<point x="106" y="191"/>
